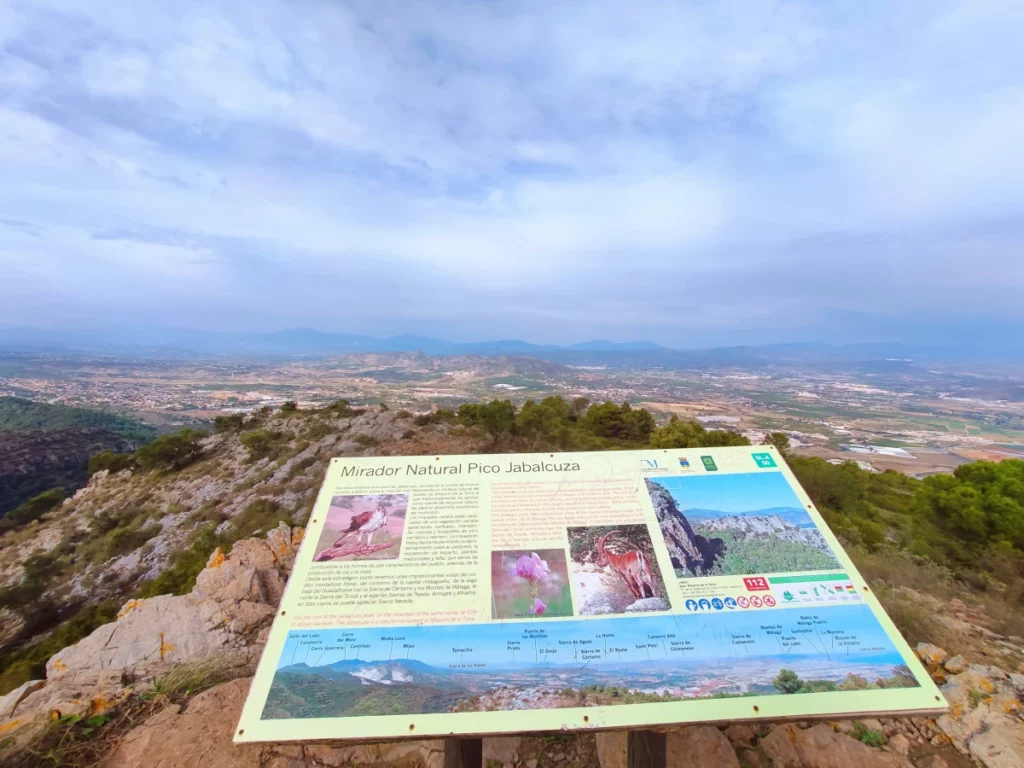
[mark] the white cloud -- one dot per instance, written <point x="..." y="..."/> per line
<point x="497" y="148"/>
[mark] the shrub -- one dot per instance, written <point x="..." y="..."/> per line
<point x="260" y="515"/>
<point x="32" y="509"/>
<point x="367" y="441"/>
<point x="289" y="406"/>
<point x="343" y="408"/>
<point x="113" y="462"/>
<point x="172" y="452"/>
<point x="229" y="423"/>
<point x="260" y="443"/>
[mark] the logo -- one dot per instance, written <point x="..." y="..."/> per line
<point x="769" y="601"/>
<point x="756" y="584"/>
<point x="788" y="596"/>
<point x="717" y="604"/>
<point x="651" y="465"/>
<point x="691" y="605"/>
<point x="709" y="464"/>
<point x="763" y="460"/>
<point x="704" y="603"/>
<point x="755" y="602"/>
<point x="730" y="603"/>
<point x="742" y="602"/>
<point x="684" y="463"/>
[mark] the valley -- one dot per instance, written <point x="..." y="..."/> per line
<point x="917" y="417"/>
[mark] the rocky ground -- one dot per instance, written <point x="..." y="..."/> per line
<point x="217" y="489"/>
<point x="124" y="673"/>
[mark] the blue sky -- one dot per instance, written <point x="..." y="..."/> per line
<point x="710" y="635"/>
<point x="690" y="173"/>
<point x="731" y="494"/>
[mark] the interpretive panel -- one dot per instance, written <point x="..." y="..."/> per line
<point x="474" y="594"/>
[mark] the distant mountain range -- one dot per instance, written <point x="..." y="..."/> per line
<point x="156" y="341"/>
<point x="792" y="515"/>
<point x="294" y="342"/>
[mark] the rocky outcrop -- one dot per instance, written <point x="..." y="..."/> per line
<point x="766" y="527"/>
<point x="984" y="719"/>
<point x="821" y="746"/>
<point x="223" y="619"/>
<point x="691" y="553"/>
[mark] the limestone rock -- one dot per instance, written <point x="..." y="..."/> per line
<point x="740" y="734"/>
<point x="233" y="598"/>
<point x="404" y="754"/>
<point x="689" y="551"/>
<point x="821" y="747"/>
<point x="899" y="744"/>
<point x="162" y="629"/>
<point x="955" y="665"/>
<point x="930" y="654"/>
<point x="9" y="702"/>
<point x="700" y="745"/>
<point x="503" y="750"/>
<point x="984" y="717"/>
<point x="223" y="619"/>
<point x="649" y="604"/>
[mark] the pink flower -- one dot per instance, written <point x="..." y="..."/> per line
<point x="538" y="607"/>
<point x="531" y="567"/>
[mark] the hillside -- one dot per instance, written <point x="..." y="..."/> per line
<point x="147" y="524"/>
<point x="18" y="415"/>
<point x="45" y="446"/>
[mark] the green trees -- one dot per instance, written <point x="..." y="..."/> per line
<point x="619" y="422"/>
<point x="289" y="406"/>
<point x="231" y="422"/>
<point x="172" y="452"/>
<point x="787" y="681"/>
<point x="260" y="442"/>
<point x="496" y="417"/>
<point x="977" y="508"/>
<point x="111" y="461"/>
<point x="691" y="434"/>
<point x="554" y="423"/>
<point x="778" y="439"/>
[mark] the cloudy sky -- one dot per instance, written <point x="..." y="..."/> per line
<point x="689" y="173"/>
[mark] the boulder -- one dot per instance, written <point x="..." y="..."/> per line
<point x="931" y="655"/>
<point x="821" y="747"/>
<point x="740" y="735"/>
<point x="10" y="701"/>
<point x="955" y="665"/>
<point x="984" y="717"/>
<point x="899" y="744"/>
<point x="224" y="619"/>
<point x="649" y="604"/>
<point x="700" y="745"/>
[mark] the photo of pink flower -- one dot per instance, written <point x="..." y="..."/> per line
<point x="530" y="583"/>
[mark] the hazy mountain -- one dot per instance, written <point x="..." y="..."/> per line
<point x="793" y="515"/>
<point x="306" y="342"/>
